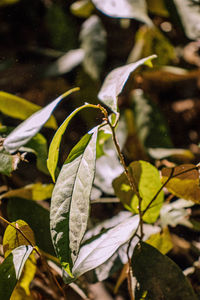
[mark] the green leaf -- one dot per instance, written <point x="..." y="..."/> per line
<point x="157" y="7"/>
<point x="27" y="129"/>
<point x="185" y="185"/>
<point x="35" y="191"/>
<point x="115" y="81"/>
<point x="159" y="276"/>
<point x="82" y="8"/>
<point x="135" y="9"/>
<point x="11" y="269"/>
<point x="70" y="200"/>
<point x="13" y="239"/>
<point x="151" y="126"/>
<point x="101" y="249"/>
<point x="36" y="216"/>
<point x="8" y="162"/>
<point x="55" y="143"/>
<point x="19" y="108"/>
<point x="93" y="42"/>
<point x="7" y="2"/>
<point x="148" y="181"/>
<point x="39" y="145"/>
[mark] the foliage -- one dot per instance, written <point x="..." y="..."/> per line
<point x="123" y="155"/>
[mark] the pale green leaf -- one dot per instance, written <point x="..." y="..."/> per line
<point x="19" y="108"/>
<point x="55" y="143"/>
<point x="128" y="9"/>
<point x="159" y="276"/>
<point x="148" y="181"/>
<point x="115" y="81"/>
<point x="11" y="270"/>
<point x="93" y="42"/>
<point x="70" y="200"/>
<point x="101" y="249"/>
<point x="31" y="126"/>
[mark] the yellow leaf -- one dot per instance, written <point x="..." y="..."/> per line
<point x="184" y="182"/>
<point x="20" y="108"/>
<point x="161" y="241"/>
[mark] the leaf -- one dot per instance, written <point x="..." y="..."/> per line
<point x="161" y="241"/>
<point x="115" y="81"/>
<point x="159" y="276"/>
<point x="148" y="182"/>
<point x="93" y="42"/>
<point x="150" y="40"/>
<point x="55" y="143"/>
<point x="100" y="250"/>
<point x="188" y="14"/>
<point x="8" y="162"/>
<point x="157" y="7"/>
<point x="19" y="108"/>
<point x="36" y="216"/>
<point x="27" y="129"/>
<point x="36" y="192"/>
<point x="175" y="213"/>
<point x="128" y="9"/>
<point x="82" y="8"/>
<point x="13" y="239"/>
<point x="185" y="185"/>
<point x="11" y="269"/>
<point x="65" y="63"/>
<point x="151" y="126"/>
<point x="7" y="2"/>
<point x="70" y="200"/>
<point x="160" y="153"/>
<point x="38" y="144"/>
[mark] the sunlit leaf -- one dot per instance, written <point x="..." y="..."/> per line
<point x="186" y="185"/>
<point x="66" y="63"/>
<point x="93" y="42"/>
<point x="82" y="8"/>
<point x="36" y="216"/>
<point x="19" y="108"/>
<point x="115" y="81"/>
<point x="188" y="13"/>
<point x="70" y="200"/>
<point x="177" y="212"/>
<point x="151" y="126"/>
<point x="11" y="270"/>
<point x="13" y="238"/>
<point x="148" y="181"/>
<point x="55" y="143"/>
<point x="181" y="154"/>
<point x="36" y="191"/>
<point x="134" y="9"/>
<point x="161" y="241"/>
<point x="27" y="129"/>
<point x="101" y="249"/>
<point x="20" y="294"/>
<point x="159" y="276"/>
